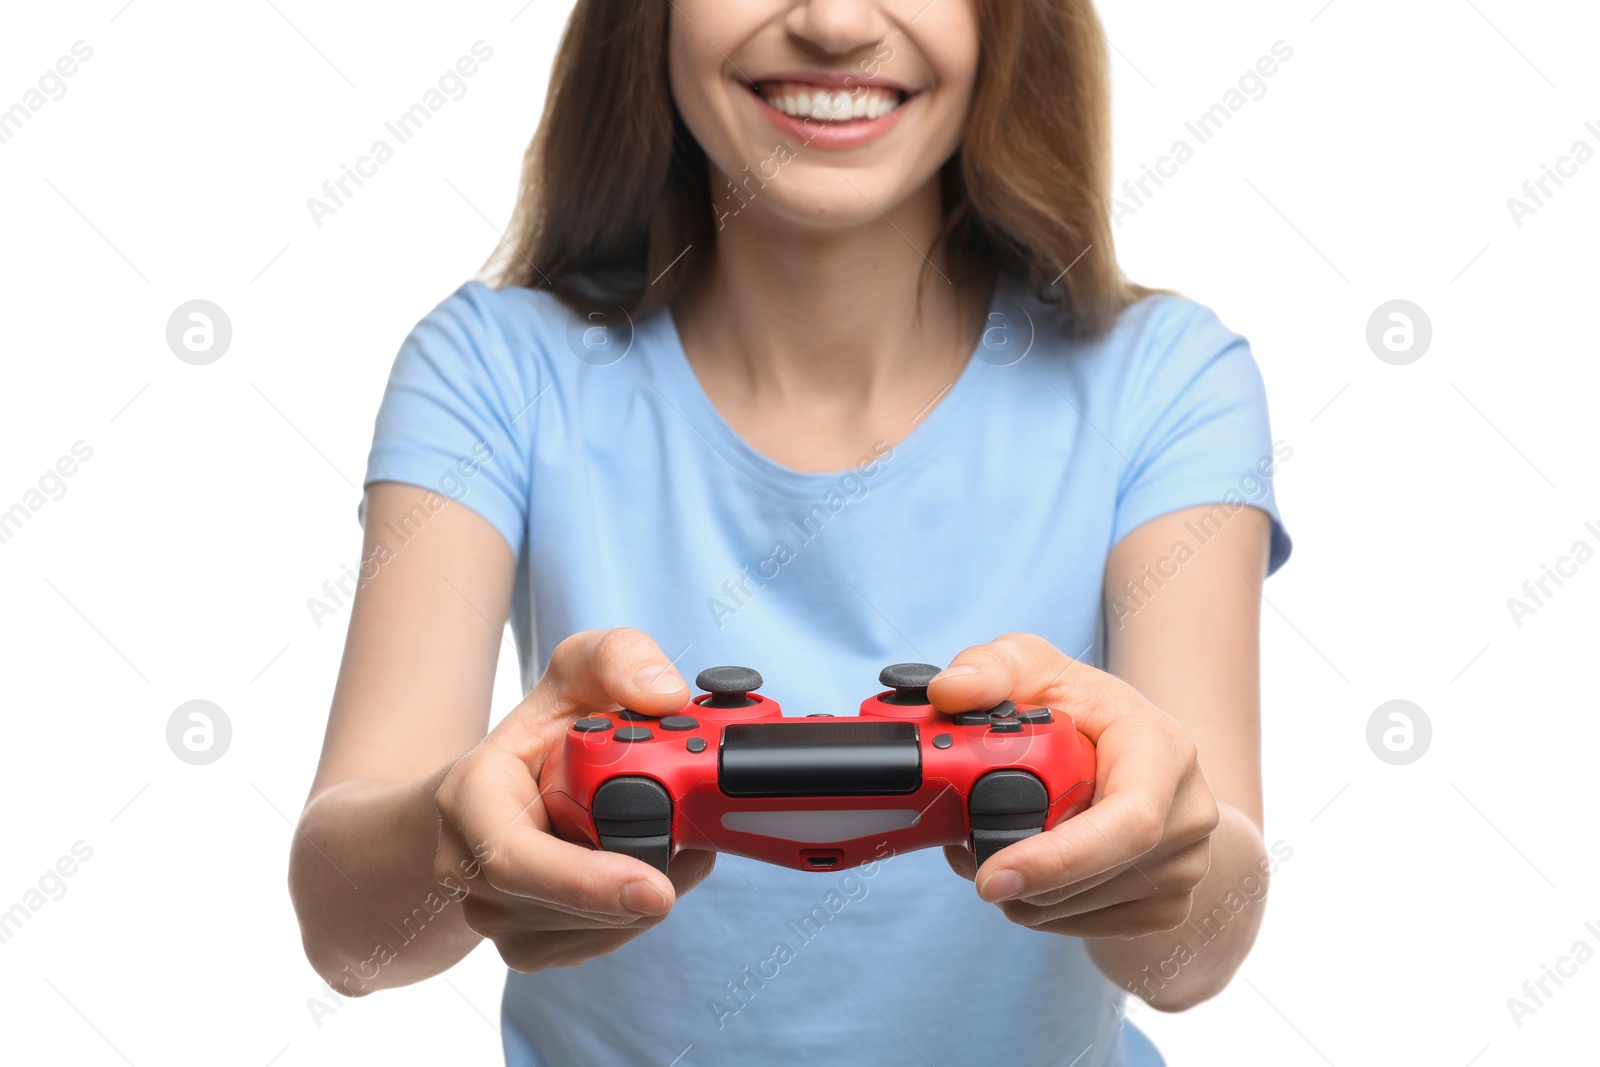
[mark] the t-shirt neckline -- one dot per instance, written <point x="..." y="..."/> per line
<point x="681" y="387"/>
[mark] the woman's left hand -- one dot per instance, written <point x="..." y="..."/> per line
<point x="1128" y="865"/>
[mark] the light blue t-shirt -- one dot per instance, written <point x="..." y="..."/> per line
<point x="630" y="501"/>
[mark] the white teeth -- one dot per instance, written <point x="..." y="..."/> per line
<point x="830" y="105"/>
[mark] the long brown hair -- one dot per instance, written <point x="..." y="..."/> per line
<point x="614" y="186"/>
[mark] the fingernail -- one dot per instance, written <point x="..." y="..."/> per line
<point x="642" y="898"/>
<point x="1001" y="885"/>
<point x="658" y="678"/>
<point x="955" y="672"/>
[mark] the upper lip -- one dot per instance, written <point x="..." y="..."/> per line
<point x="831" y="80"/>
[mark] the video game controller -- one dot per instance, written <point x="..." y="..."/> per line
<point x="730" y="773"/>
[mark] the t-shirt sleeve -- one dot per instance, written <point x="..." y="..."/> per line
<point x="1194" y="425"/>
<point x="454" y="414"/>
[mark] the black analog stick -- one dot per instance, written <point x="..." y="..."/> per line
<point x="909" y="682"/>
<point x="730" y="687"/>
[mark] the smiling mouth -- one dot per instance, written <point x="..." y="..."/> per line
<point x="858" y="103"/>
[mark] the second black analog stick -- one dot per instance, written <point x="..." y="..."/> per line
<point x="730" y="687"/>
<point x="909" y="682"/>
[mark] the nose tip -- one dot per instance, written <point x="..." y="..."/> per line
<point x="838" y="27"/>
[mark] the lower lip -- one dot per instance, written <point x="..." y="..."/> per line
<point x="834" y="135"/>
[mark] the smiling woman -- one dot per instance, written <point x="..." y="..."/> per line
<point x="832" y="229"/>
<point x="1018" y="144"/>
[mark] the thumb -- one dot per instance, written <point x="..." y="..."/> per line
<point x="600" y="670"/>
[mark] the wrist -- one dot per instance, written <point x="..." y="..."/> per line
<point x="1173" y="970"/>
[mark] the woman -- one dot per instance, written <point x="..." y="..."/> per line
<point x="811" y="354"/>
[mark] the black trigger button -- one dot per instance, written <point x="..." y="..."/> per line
<point x="633" y="816"/>
<point x="1004" y="807"/>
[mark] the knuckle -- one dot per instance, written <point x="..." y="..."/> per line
<point x="1173" y="910"/>
<point x="571" y="647"/>
<point x="522" y="955"/>
<point x="1015" y="649"/>
<point x="482" y="918"/>
<point x="1023" y="913"/>
<point x="569" y="656"/>
<point x="1191" y="866"/>
<point x="1147" y="824"/>
<point x="618" y="645"/>
<point x="1209" y="817"/>
<point x="495" y="873"/>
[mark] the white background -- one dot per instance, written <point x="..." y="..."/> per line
<point x="177" y="565"/>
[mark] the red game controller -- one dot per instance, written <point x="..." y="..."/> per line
<point x="729" y="773"/>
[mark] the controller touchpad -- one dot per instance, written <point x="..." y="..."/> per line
<point x="819" y="759"/>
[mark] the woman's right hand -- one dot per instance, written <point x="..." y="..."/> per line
<point x="543" y="901"/>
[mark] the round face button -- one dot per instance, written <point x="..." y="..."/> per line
<point x="591" y="725"/>
<point x="696" y="744"/>
<point x="679" y="722"/>
<point x="632" y="733"/>
<point x="629" y="715"/>
<point x="941" y="741"/>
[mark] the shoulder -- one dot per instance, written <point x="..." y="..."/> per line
<point x="1159" y="346"/>
<point x="513" y="339"/>
<point x="483" y="316"/>
<point x="1160" y="330"/>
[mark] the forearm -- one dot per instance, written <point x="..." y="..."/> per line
<point x="1177" y="969"/>
<point x="372" y="915"/>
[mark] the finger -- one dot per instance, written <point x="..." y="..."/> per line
<point x="1110" y="836"/>
<point x="1178" y="873"/>
<point x="496" y="915"/>
<point x="1119" y="888"/>
<point x="495" y="809"/>
<point x="1131" y="918"/>
<point x="599" y="669"/>
<point x="689" y="868"/>
<point x="537" y="951"/>
<point x="1028" y="668"/>
<point x="1178" y="862"/>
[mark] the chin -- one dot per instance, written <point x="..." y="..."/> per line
<point x="819" y="199"/>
